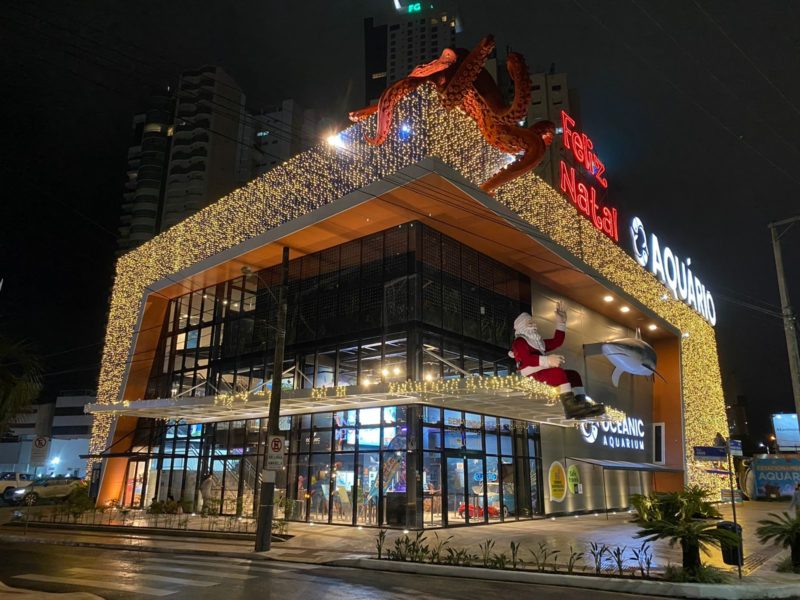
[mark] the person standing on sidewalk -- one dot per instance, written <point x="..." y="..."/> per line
<point x="795" y="503"/>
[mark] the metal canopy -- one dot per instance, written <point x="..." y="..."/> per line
<point x="508" y="403"/>
<point x="623" y="465"/>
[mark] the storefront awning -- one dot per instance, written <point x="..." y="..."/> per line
<point x="624" y="465"/>
<point x="494" y="399"/>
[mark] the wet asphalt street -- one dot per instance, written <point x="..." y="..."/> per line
<point x="126" y="575"/>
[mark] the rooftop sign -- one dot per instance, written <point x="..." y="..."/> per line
<point x="672" y="271"/>
<point x="578" y="179"/>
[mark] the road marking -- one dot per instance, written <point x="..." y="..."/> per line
<point x="198" y="572"/>
<point x="137" y="575"/>
<point x="224" y="566"/>
<point x="106" y="585"/>
<point x="266" y="564"/>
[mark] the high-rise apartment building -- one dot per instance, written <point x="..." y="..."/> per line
<point x="195" y="144"/>
<point x="278" y="133"/>
<point x="148" y="161"/>
<point x="413" y="34"/>
<point x="205" y="147"/>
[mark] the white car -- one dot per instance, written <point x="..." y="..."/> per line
<point x="11" y="481"/>
<point x="46" y="488"/>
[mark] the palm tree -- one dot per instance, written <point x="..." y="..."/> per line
<point x="20" y="379"/>
<point x="683" y="517"/>
<point x="782" y="530"/>
<point x="693" y="535"/>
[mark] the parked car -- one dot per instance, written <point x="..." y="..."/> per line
<point x="11" y="481"/>
<point x="493" y="507"/>
<point x="46" y="488"/>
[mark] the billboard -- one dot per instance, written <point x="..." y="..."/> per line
<point x="787" y="434"/>
<point x="776" y="476"/>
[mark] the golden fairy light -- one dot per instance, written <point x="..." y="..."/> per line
<point x="329" y="171"/>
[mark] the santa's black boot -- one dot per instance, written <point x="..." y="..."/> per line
<point x="588" y="407"/>
<point x="573" y="409"/>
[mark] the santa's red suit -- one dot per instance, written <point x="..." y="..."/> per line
<point x="530" y="352"/>
<point x="532" y="362"/>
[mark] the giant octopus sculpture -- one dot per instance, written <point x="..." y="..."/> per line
<point x="462" y="82"/>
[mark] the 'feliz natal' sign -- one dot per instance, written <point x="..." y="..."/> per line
<point x="578" y="182"/>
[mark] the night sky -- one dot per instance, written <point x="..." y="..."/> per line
<point x="693" y="106"/>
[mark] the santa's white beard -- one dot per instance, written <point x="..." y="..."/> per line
<point x="531" y="335"/>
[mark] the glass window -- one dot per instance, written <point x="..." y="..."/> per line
<point x="326" y="368"/>
<point x="368" y="479"/>
<point x="319" y="487"/>
<point x="345" y="440"/>
<point x="343" y="488"/>
<point x="431" y="414"/>
<point x="491" y="443"/>
<point x="472" y="421"/>
<point x="454" y="438"/>
<point x="452" y="417"/>
<point x="348" y="365"/>
<point x="346" y="418"/>
<point x="505" y="444"/>
<point x="369" y="438"/>
<point x="371" y="361"/>
<point x="394" y="438"/>
<point x="394" y="488"/>
<point x="321" y="420"/>
<point x="431" y="438"/>
<point x="474" y="441"/>
<point x="370" y="416"/>
<point x="315" y="441"/>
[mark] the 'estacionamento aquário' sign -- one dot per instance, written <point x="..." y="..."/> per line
<point x="776" y="477"/>
<point x="672" y="271"/>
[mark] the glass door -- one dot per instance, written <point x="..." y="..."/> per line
<point x="134" y="484"/>
<point x="466" y="488"/>
<point x="456" y="502"/>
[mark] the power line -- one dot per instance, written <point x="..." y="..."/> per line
<point x="792" y="146"/>
<point x="750" y="61"/>
<point x="653" y="68"/>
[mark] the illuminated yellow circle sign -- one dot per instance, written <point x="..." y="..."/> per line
<point x="558" y="482"/>
<point x="573" y="479"/>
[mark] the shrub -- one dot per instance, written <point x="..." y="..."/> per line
<point x="782" y="530"/>
<point x="786" y="566"/>
<point x="597" y="552"/>
<point x="702" y="574"/>
<point x="681" y="518"/>
<point x="78" y="501"/>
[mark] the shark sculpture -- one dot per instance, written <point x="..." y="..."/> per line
<point x="628" y="355"/>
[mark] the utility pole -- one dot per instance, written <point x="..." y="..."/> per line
<point x="789" y="321"/>
<point x="266" y="504"/>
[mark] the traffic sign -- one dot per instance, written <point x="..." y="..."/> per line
<point x="710" y="453"/>
<point x="40" y="448"/>
<point x="735" y="447"/>
<point x="275" y="451"/>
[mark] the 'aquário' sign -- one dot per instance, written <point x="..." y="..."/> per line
<point x="672" y="271"/>
<point x="579" y="179"/>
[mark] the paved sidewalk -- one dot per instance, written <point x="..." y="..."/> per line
<point x="320" y="543"/>
<point x="325" y="543"/>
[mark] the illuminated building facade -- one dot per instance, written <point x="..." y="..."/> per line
<point x="400" y="404"/>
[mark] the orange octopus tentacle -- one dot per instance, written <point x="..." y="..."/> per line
<point x="385" y="107"/>
<point x="462" y="81"/>
<point x="531" y="140"/>
<point x="486" y="87"/>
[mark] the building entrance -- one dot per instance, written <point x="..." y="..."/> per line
<point x="466" y="488"/>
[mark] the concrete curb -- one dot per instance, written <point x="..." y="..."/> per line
<point x="120" y="529"/>
<point x="134" y="547"/>
<point x="739" y="591"/>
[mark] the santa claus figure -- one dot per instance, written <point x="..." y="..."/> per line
<point x="530" y="352"/>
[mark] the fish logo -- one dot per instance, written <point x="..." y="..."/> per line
<point x="589" y="432"/>
<point x="640" y="248"/>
